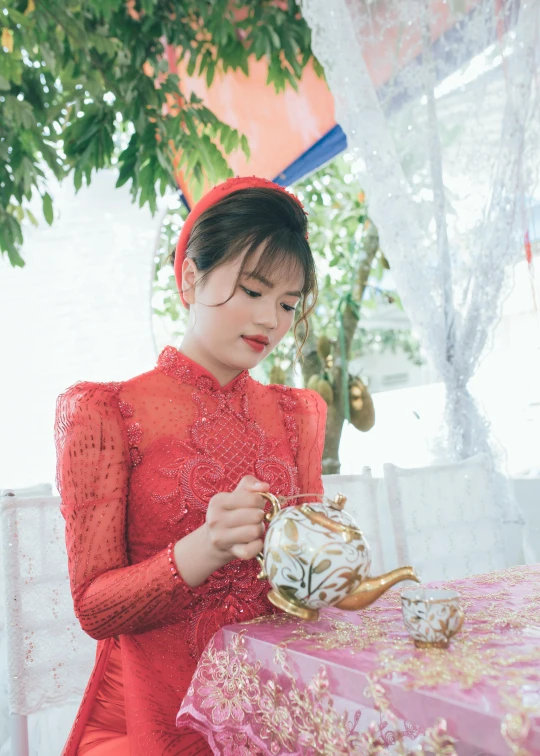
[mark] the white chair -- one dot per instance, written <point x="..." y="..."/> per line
<point x="527" y="493"/>
<point x="41" y="489"/>
<point x="31" y="492"/>
<point x="362" y="505"/>
<point x="446" y="523"/>
<point x="49" y="658"/>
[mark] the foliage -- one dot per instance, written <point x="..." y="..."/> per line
<point x="86" y="83"/>
<point x="166" y="302"/>
<point x="386" y="340"/>
<point x="339" y="226"/>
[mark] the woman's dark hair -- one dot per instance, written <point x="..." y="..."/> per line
<point x="252" y="219"/>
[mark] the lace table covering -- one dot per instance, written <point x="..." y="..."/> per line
<point x="353" y="682"/>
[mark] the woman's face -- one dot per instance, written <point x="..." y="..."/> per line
<point x="239" y="333"/>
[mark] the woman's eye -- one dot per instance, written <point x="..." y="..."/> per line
<point x="256" y="294"/>
<point x="250" y="293"/>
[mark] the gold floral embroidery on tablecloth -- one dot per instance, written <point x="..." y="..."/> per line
<point x="436" y="740"/>
<point x="275" y="620"/>
<point x="515" y="730"/>
<point x="233" y="689"/>
<point x="236" y="744"/>
<point x="512" y="576"/>
<point x="496" y="616"/>
<point x="343" y="635"/>
<point x="468" y="663"/>
<point x="227" y="684"/>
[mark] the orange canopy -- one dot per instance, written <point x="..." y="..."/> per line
<point x="282" y="128"/>
<point x="278" y="127"/>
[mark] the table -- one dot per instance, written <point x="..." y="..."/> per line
<point x="353" y="682"/>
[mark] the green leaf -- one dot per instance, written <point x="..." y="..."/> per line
<point x="210" y="73"/>
<point x="31" y="217"/>
<point x="244" y="144"/>
<point x="48" y="208"/>
<point x="274" y="37"/>
<point x="18" y="18"/>
<point x="192" y="64"/>
<point x="77" y="179"/>
<point x="15" y="258"/>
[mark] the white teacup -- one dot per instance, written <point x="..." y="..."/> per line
<point x="431" y="616"/>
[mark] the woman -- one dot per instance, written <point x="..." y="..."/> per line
<point x="160" y="475"/>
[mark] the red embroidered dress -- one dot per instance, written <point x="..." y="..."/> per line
<point x="137" y="464"/>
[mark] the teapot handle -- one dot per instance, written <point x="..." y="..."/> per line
<point x="276" y="509"/>
<point x="276" y="506"/>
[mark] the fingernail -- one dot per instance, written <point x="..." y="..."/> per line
<point x="260" y="485"/>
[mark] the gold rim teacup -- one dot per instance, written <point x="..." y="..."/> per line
<point x="432" y="616"/>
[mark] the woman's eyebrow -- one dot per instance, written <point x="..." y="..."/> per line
<point x="266" y="282"/>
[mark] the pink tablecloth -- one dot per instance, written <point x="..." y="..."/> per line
<point x="353" y="683"/>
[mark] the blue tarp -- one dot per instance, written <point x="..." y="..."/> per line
<point x="328" y="146"/>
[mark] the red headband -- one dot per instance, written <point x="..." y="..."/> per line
<point x="214" y="196"/>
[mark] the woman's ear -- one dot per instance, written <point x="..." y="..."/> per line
<point x="190" y="274"/>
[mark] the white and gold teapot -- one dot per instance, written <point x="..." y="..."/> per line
<point x="316" y="556"/>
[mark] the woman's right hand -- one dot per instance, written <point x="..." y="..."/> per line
<point x="234" y="521"/>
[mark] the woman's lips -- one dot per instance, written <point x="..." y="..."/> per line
<point x="257" y="346"/>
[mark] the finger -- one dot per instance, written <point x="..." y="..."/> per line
<point x="228" y="539"/>
<point x="250" y="483"/>
<point x="243" y="500"/>
<point x="244" y="534"/>
<point x="246" y="551"/>
<point x="246" y="516"/>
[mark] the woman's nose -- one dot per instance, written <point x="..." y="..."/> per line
<point x="267" y="316"/>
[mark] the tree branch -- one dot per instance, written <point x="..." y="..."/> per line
<point x="336" y="415"/>
<point x="350" y="319"/>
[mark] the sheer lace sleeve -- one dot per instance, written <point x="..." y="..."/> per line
<point x="93" y="468"/>
<point x="310" y="417"/>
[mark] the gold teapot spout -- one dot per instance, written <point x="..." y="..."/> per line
<point x="372" y="588"/>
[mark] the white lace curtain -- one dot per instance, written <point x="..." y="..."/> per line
<point x="440" y="103"/>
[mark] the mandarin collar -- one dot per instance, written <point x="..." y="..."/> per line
<point x="174" y="363"/>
